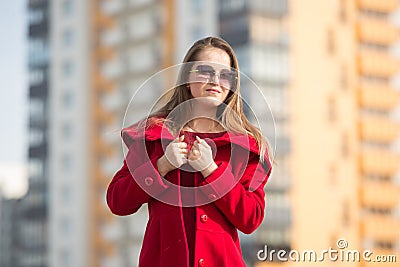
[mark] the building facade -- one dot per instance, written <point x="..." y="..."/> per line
<point x="258" y="32"/>
<point x="102" y="52"/>
<point x="327" y="81"/>
<point x="29" y="215"/>
<point x="342" y="129"/>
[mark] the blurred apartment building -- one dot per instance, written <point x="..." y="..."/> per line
<point x="327" y="80"/>
<point x="101" y="53"/>
<point x="9" y="232"/>
<point x="258" y="32"/>
<point x="24" y="222"/>
<point x="342" y="129"/>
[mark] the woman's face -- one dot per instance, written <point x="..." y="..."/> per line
<point x="212" y="77"/>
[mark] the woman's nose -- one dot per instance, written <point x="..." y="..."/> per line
<point x="215" y="79"/>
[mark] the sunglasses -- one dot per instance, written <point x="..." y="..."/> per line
<point x="227" y="78"/>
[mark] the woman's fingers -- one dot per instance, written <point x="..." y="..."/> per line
<point x="200" y="141"/>
<point x="179" y="139"/>
<point x="183" y="151"/>
<point x="182" y="145"/>
<point x="176" y="152"/>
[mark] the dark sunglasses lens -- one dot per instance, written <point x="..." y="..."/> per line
<point x="206" y="73"/>
<point x="205" y="70"/>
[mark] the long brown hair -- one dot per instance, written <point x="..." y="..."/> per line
<point x="230" y="114"/>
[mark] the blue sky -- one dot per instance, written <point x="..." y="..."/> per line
<point x="14" y="90"/>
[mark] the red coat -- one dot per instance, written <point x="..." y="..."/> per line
<point x="235" y="191"/>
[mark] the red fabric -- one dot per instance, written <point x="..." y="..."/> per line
<point x="192" y="236"/>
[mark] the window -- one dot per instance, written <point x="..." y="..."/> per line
<point x="65" y="226"/>
<point x="68" y="37"/>
<point x="344" y="77"/>
<point x="36" y="108"/>
<point x="198" y="5"/>
<point x="333" y="173"/>
<point x="35" y="168"/>
<point x="331" y="109"/>
<point x="65" y="194"/>
<point x="65" y="257"/>
<point x="345" y="145"/>
<point x="384" y="245"/>
<point x="270" y="63"/>
<point x="66" y="163"/>
<point x="35" y="16"/>
<point x="343" y="11"/>
<point x="228" y="6"/>
<point x="38" y="52"/>
<point x="35" y="137"/>
<point x="330" y="42"/>
<point x="67" y="7"/>
<point x="66" y="131"/>
<point x="275" y="7"/>
<point x="198" y="31"/>
<point x="346" y="213"/>
<point x="67" y="69"/>
<point x="36" y="77"/>
<point x="67" y="99"/>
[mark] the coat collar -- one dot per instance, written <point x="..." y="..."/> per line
<point x="158" y="132"/>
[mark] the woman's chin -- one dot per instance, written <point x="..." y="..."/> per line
<point x="210" y="101"/>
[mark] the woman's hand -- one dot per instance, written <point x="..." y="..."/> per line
<point x="175" y="156"/>
<point x="201" y="158"/>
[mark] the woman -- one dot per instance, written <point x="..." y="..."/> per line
<point x="199" y="164"/>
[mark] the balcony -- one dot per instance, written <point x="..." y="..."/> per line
<point x="268" y="31"/>
<point x="103" y="148"/>
<point x="104" y="116"/>
<point x="40" y="29"/>
<point x="378" y="97"/>
<point x="39" y="151"/>
<point x="103" y="21"/>
<point x="379" y="162"/>
<point x="113" y="102"/>
<point x="378" y="64"/>
<point x="377" y="31"/>
<point x="99" y="209"/>
<point x="112" y="8"/>
<point x="104" y="53"/>
<point x="381" y="195"/>
<point x="101" y="245"/>
<point x="102" y="83"/>
<point x="384" y="6"/>
<point x="113" y="37"/>
<point x="379" y="129"/>
<point x="273" y="8"/>
<point x="381" y="228"/>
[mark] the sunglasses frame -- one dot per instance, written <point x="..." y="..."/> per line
<point x="214" y="73"/>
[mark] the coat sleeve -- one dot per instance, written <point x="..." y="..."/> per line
<point x="134" y="184"/>
<point x="242" y="206"/>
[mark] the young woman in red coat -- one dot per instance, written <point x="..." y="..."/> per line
<point x="199" y="164"/>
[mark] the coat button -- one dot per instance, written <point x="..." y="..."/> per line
<point x="203" y="218"/>
<point x="201" y="263"/>
<point x="212" y="197"/>
<point x="148" y="181"/>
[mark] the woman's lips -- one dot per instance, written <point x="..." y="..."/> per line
<point x="214" y="91"/>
